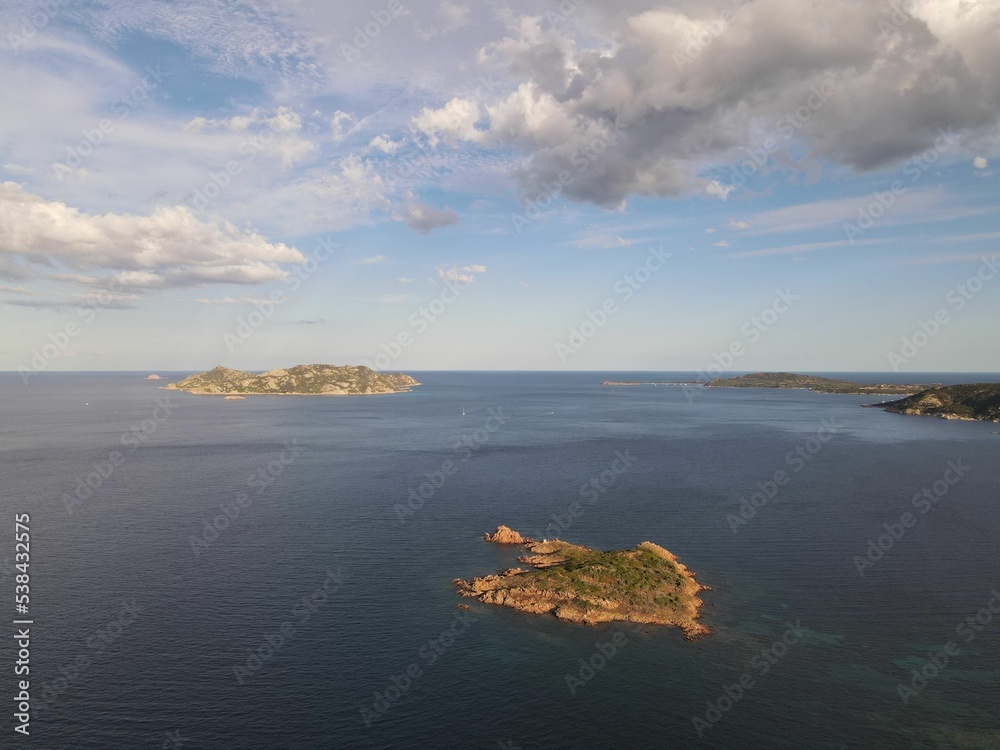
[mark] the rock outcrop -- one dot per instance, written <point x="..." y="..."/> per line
<point x="504" y="535"/>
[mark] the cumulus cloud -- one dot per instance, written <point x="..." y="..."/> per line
<point x="632" y="103"/>
<point x="455" y="121"/>
<point x="981" y="163"/>
<point x="425" y="218"/>
<point x="170" y="247"/>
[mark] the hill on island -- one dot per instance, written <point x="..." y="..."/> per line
<point x="975" y="401"/>
<point x="812" y="383"/>
<point x="646" y="584"/>
<point x="301" y="380"/>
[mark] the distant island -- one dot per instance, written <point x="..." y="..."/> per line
<point x="651" y="382"/>
<point x="813" y="383"/>
<point x="153" y="377"/>
<point x="978" y="401"/>
<point x="646" y="584"/>
<point x="301" y="380"/>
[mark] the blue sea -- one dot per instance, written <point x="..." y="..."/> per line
<point x="278" y="572"/>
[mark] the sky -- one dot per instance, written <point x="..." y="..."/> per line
<point x="639" y="185"/>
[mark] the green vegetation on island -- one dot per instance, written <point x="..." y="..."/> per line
<point x="977" y="401"/>
<point x="301" y="380"/>
<point x="646" y="584"/>
<point x="813" y="383"/>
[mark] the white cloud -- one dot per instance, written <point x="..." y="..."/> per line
<point x="405" y="280"/>
<point x="342" y="125"/>
<point x="20" y="168"/>
<point x="234" y="301"/>
<point x="461" y="275"/>
<point x="720" y="243"/>
<point x="738" y="225"/>
<point x="455" y="121"/>
<point x="170" y="247"/>
<point x="980" y="162"/>
<point x="373" y="260"/>
<point x="718" y="190"/>
<point x="384" y="143"/>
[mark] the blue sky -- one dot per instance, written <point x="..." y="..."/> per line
<point x="481" y="180"/>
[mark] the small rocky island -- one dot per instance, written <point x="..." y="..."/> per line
<point x="813" y="383"/>
<point x="301" y="380"/>
<point x="153" y="377"/>
<point x="646" y="584"/>
<point x="978" y="401"/>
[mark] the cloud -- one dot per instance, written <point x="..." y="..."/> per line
<point x="280" y="132"/>
<point x="462" y="275"/>
<point x="738" y="225"/>
<point x="20" y="168"/>
<point x="170" y="247"/>
<point x="405" y="280"/>
<point x="453" y="122"/>
<point x="615" y="99"/>
<point x="425" y="218"/>
<point x="234" y="301"/>
<point x="718" y="190"/>
<point x="980" y="162"/>
<point x="384" y="143"/>
<point x="373" y="260"/>
<point x="721" y="243"/>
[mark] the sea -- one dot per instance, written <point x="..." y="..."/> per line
<point x="278" y="572"/>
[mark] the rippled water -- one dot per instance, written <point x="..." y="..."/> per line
<point x="321" y="478"/>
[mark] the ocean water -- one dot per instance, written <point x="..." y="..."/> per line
<point x="142" y="637"/>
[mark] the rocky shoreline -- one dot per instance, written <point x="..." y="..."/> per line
<point x="646" y="584"/>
